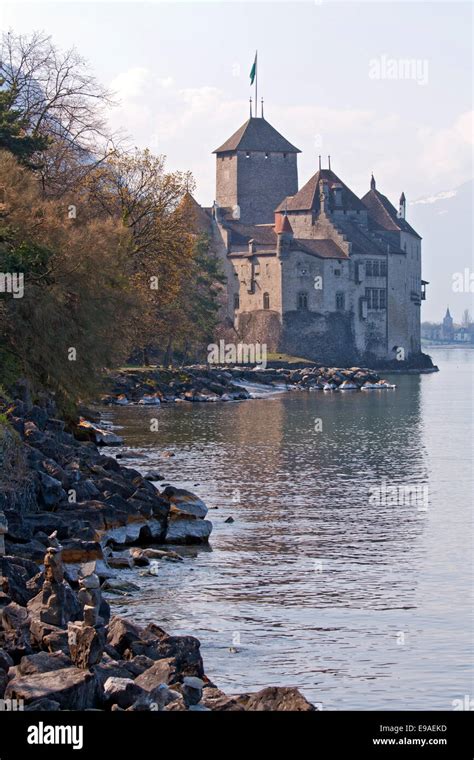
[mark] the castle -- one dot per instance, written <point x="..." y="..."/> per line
<point x="315" y="272"/>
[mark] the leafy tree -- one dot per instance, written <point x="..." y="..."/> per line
<point x="72" y="320"/>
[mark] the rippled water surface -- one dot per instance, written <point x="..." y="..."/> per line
<point x="362" y="605"/>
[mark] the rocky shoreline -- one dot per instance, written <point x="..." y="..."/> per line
<point x="200" y="383"/>
<point x="70" y="519"/>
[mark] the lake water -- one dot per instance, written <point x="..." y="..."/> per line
<point x="362" y="602"/>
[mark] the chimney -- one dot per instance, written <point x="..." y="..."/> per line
<point x="402" y="209"/>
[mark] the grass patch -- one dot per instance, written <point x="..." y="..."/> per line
<point x="288" y="358"/>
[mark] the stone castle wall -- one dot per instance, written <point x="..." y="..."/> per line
<point x="256" y="183"/>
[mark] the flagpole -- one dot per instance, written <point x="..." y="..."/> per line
<point x="256" y="79"/>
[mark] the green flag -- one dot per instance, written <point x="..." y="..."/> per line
<point x="253" y="70"/>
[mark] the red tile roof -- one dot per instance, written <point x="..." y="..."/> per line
<point x="385" y="214"/>
<point x="307" y="199"/>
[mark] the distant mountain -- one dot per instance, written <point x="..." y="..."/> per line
<point x="445" y="222"/>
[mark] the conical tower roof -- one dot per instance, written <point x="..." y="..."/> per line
<point x="257" y="134"/>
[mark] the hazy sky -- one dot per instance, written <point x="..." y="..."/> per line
<point x="331" y="73"/>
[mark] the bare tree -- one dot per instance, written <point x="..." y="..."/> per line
<point x="59" y="99"/>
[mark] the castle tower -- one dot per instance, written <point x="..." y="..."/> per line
<point x="255" y="169"/>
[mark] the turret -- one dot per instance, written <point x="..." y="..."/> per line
<point x="402" y="207"/>
<point x="284" y="233"/>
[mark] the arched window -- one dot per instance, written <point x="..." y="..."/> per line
<point x="236" y="301"/>
<point x="302" y="300"/>
<point x="266" y="300"/>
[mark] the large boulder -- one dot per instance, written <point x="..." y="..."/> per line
<point x="185" y="650"/>
<point x="122" y="691"/>
<point x="51" y="491"/>
<point x="184" y="502"/>
<point x="162" y="671"/>
<point x="15" y="637"/>
<point x="86" y="644"/>
<point x="121" y="633"/>
<point x="42" y="662"/>
<point x="56" y="604"/>
<point x="86" y="431"/>
<point x="187" y="530"/>
<point x="72" y="688"/>
<point x="277" y="698"/>
<point x="14" y="575"/>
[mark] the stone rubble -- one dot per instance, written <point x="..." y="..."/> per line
<point x="61" y="525"/>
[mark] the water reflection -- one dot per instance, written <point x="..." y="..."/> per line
<point x="312" y="584"/>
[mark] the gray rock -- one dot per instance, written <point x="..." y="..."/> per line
<point x="188" y="531"/>
<point x="153" y="475"/>
<point x="86" y="644"/>
<point x="121" y="633"/>
<point x="122" y="691"/>
<point x="42" y="662"/>
<point x="72" y="688"/>
<point x="43" y="705"/>
<point x="277" y="698"/>
<point x="51" y="490"/>
<point x="161" y="672"/>
<point x="192" y="690"/>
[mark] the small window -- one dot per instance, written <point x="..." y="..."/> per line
<point x="383" y="268"/>
<point x="340" y="301"/>
<point x="375" y="269"/>
<point x="368" y="269"/>
<point x="266" y="301"/>
<point x="302" y="301"/>
<point x="382" y="299"/>
<point x="285" y="155"/>
<point x="236" y="301"/>
<point x="337" y="272"/>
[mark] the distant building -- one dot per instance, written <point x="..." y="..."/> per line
<point x="447" y="329"/>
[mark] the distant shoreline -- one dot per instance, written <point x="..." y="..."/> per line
<point x="448" y="345"/>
